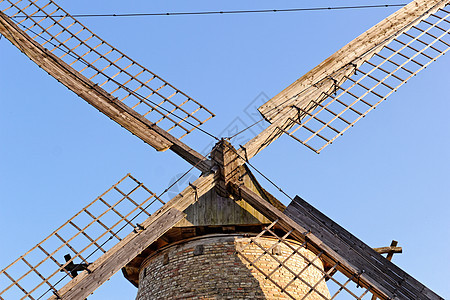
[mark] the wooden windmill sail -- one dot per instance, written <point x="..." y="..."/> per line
<point x="129" y="220"/>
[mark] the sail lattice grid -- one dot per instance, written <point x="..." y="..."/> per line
<point x="125" y="79"/>
<point x="84" y="238"/>
<point x="316" y="277"/>
<point x="353" y="91"/>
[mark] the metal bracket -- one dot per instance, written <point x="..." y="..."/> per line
<point x="356" y="68"/>
<point x="245" y="152"/>
<point x="195" y="190"/>
<point x="299" y="113"/>
<point x="138" y="228"/>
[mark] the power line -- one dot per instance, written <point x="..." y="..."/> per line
<point x="260" y="172"/>
<point x="187" y="13"/>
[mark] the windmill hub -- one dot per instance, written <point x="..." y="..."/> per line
<point x="214" y="251"/>
<point x="223" y="236"/>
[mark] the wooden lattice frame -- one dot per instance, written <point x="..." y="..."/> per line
<point x="125" y="79"/>
<point x="344" y="287"/>
<point x="328" y="100"/>
<point x="86" y="236"/>
<point x="363" y="88"/>
<point x="338" y="249"/>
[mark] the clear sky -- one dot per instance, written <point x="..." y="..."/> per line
<point x="385" y="179"/>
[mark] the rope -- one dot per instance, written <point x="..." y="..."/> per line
<point x="245" y="129"/>
<point x="261" y="173"/>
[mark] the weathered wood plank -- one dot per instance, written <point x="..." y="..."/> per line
<point x="391" y="249"/>
<point x="299" y="233"/>
<point x="337" y="66"/>
<point x="390" y="253"/>
<point x="134" y="243"/>
<point x="363" y="45"/>
<point x="386" y="279"/>
<point x="366" y="258"/>
<point x="189" y="195"/>
<point x="130" y="247"/>
<point x="98" y="97"/>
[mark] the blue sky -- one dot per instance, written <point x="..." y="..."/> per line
<point x="387" y="178"/>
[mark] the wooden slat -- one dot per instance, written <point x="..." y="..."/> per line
<point x="366" y="258"/>
<point x="335" y="69"/>
<point x="390" y="253"/>
<point x="97" y="97"/>
<point x="367" y="42"/>
<point x="387" y="280"/>
<point x="299" y="233"/>
<point x="101" y="270"/>
<point x="127" y="249"/>
<point x="389" y="250"/>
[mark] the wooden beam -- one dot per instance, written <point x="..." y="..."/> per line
<point x="334" y="69"/>
<point x="361" y="256"/>
<point x="362" y="46"/>
<point x="117" y="111"/>
<point x="264" y="139"/>
<point x="229" y="165"/>
<point x="388" y="250"/>
<point x="133" y="244"/>
<point x="101" y="270"/>
<point x="386" y="280"/>
<point x="299" y="232"/>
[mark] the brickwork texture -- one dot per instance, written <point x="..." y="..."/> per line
<point x="210" y="268"/>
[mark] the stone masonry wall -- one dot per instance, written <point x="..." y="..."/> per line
<point x="210" y="268"/>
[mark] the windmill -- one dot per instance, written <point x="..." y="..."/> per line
<point x="292" y="112"/>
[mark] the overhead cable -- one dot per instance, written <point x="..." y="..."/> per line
<point x="253" y="11"/>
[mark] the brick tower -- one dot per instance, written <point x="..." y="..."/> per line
<point x="211" y="253"/>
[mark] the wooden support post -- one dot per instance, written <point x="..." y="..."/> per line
<point x="228" y="162"/>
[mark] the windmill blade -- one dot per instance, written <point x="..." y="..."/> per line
<point x="137" y="99"/>
<point x="96" y="242"/>
<point x="331" y="98"/>
<point x="352" y="269"/>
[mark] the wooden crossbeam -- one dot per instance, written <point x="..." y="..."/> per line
<point x="138" y="125"/>
<point x="356" y="260"/>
